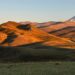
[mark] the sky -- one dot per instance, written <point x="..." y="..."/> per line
<point x="36" y="10"/>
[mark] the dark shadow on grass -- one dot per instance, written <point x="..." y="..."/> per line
<point x="35" y="52"/>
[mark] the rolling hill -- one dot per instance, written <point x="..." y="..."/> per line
<point x="64" y="29"/>
<point x="16" y="34"/>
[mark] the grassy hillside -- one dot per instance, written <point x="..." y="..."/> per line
<point x="35" y="52"/>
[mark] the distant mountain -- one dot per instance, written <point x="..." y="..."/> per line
<point x="47" y="24"/>
<point x="72" y="19"/>
<point x="16" y="34"/>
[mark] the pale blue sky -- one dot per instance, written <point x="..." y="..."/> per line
<point x="36" y="10"/>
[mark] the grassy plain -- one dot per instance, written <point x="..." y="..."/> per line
<point x="38" y="68"/>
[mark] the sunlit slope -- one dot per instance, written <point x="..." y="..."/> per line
<point x="16" y="34"/>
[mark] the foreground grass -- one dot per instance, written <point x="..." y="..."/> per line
<point x="38" y="68"/>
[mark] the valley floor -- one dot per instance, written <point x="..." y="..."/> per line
<point x="38" y="68"/>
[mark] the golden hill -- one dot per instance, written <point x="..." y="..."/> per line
<point x="63" y="29"/>
<point x="16" y="34"/>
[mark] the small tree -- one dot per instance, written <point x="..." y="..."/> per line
<point x="10" y="38"/>
<point x="24" y="27"/>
